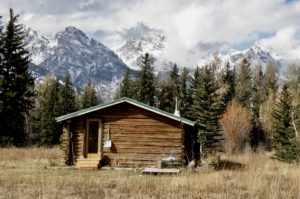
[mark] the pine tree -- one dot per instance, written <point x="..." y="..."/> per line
<point x="270" y="80"/>
<point x="146" y="81"/>
<point x="184" y="95"/>
<point x="259" y="82"/>
<point x="195" y="83"/>
<point x="89" y="97"/>
<point x="67" y="99"/>
<point x="174" y="76"/>
<point x="195" y="79"/>
<point x="258" y="96"/>
<point x="170" y="88"/>
<point x="50" y="131"/>
<point x="228" y="81"/>
<point x="284" y="137"/>
<point x="126" y="86"/>
<point x="206" y="111"/>
<point x="244" y="84"/>
<point x="16" y="83"/>
<point x="166" y="96"/>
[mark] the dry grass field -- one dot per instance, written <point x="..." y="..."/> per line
<point x="38" y="173"/>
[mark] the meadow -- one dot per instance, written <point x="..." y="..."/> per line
<point x="39" y="173"/>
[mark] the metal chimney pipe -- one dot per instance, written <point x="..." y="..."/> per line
<point x="176" y="112"/>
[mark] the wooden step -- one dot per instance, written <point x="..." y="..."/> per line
<point x="87" y="163"/>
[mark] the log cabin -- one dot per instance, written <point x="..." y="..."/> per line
<point x="126" y="133"/>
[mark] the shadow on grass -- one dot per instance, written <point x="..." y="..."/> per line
<point x="228" y="165"/>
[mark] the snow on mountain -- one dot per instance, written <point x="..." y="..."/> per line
<point x="72" y="52"/>
<point x="139" y="40"/>
<point x="255" y="54"/>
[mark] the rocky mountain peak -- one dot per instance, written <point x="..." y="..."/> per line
<point x="139" y="40"/>
<point x="71" y="51"/>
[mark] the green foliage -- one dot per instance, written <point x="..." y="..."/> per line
<point x="284" y="136"/>
<point x="244" y="84"/>
<point x="50" y="131"/>
<point x="271" y="85"/>
<point x="228" y="84"/>
<point x="146" y="81"/>
<point x="206" y="110"/>
<point x="67" y="99"/>
<point x="174" y="77"/>
<point x="195" y="82"/>
<point x="89" y="97"/>
<point x="16" y="83"/>
<point x="185" y="101"/>
<point x="258" y="96"/>
<point x="127" y="86"/>
<point x="170" y="88"/>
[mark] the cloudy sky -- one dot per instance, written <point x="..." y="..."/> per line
<point x="189" y="25"/>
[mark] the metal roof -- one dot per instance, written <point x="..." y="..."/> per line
<point x="130" y="101"/>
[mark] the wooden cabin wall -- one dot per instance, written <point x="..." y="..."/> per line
<point x="77" y="132"/>
<point x="72" y="140"/>
<point x="139" y="137"/>
<point x="65" y="144"/>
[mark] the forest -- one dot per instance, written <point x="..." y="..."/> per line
<point x="235" y="106"/>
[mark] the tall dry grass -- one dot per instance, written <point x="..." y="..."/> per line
<point x="38" y="173"/>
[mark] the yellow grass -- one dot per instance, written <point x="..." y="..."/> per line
<point x="38" y="173"/>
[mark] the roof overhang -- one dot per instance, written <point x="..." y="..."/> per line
<point x="130" y="101"/>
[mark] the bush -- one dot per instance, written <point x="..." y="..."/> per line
<point x="236" y="126"/>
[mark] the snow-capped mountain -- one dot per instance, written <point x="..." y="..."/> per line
<point x="139" y="40"/>
<point x="255" y="54"/>
<point x="72" y="52"/>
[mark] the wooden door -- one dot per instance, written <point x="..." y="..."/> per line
<point x="93" y="138"/>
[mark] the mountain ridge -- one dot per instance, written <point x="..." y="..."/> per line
<point x="71" y="51"/>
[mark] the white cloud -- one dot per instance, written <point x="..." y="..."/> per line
<point x="286" y="43"/>
<point x="218" y="23"/>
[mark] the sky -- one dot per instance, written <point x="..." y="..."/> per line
<point x="191" y="26"/>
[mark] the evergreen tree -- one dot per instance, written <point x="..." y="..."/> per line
<point x="174" y="76"/>
<point x="50" y="131"/>
<point x="270" y="80"/>
<point x="206" y="111"/>
<point x="195" y="79"/>
<point x="16" y="83"/>
<point x="166" y="96"/>
<point x="127" y="86"/>
<point x="170" y="89"/>
<point x="244" y="84"/>
<point x="259" y="83"/>
<point x="67" y="99"/>
<point x="146" y="87"/>
<point x="195" y="83"/>
<point x="228" y="81"/>
<point x="257" y="134"/>
<point x="284" y="137"/>
<point x="35" y="115"/>
<point x="184" y="95"/>
<point x="89" y="97"/>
